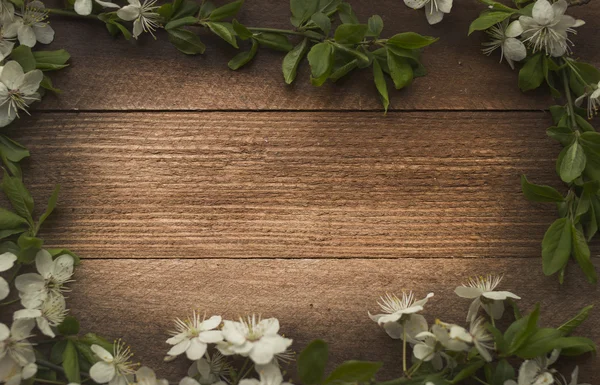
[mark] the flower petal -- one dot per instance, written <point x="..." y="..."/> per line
<point x="26" y="35"/>
<point x="103" y="354"/>
<point x="4" y="289"/>
<point x="433" y="14"/>
<point x="211" y="336"/>
<point x="7" y="261"/>
<point x="21" y="329"/>
<point x="514" y="29"/>
<point x="196" y="349"/>
<point x="416" y="4"/>
<point x="500" y="295"/>
<point x="467" y="292"/>
<point x="129" y="12"/>
<point x="542" y="12"/>
<point x="102" y="372"/>
<point x="4" y="332"/>
<point x="11" y="74"/>
<point x="211" y="323"/>
<point x="179" y="348"/>
<point x="83" y="7"/>
<point x="43" y="259"/>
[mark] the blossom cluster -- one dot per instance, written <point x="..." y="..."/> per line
<point x="42" y="296"/>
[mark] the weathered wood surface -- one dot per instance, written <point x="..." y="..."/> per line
<point x="312" y="298"/>
<point x="324" y="185"/>
<point x="109" y="74"/>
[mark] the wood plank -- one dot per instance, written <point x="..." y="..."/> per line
<point x="241" y="185"/>
<point x="108" y="74"/>
<point x="329" y="299"/>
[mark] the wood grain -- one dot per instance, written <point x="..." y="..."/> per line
<point x="108" y="74"/>
<point x="328" y="299"/>
<point x="323" y="185"/>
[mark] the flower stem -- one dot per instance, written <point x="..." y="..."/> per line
<point x="64" y="12"/>
<point x="404" y="347"/>
<point x="44" y="381"/>
<point x="9" y="302"/>
<point x="570" y="105"/>
<point x="480" y="380"/>
<point x="57" y="368"/>
<point x="279" y="31"/>
<point x="243" y="372"/>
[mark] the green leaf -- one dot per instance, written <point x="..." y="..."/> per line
<point x="350" y="33"/>
<point x="10" y="220"/>
<point x="352" y="372"/>
<point x="302" y="10"/>
<point x="488" y="19"/>
<point x="531" y="74"/>
<point x="206" y="9"/>
<point x="584" y="124"/>
<point x="12" y="150"/>
<point x="94" y="339"/>
<point x="312" y="361"/>
<point x="56" y="252"/>
<point x="226" y="11"/>
<point x="581" y="252"/>
<point x="119" y="27"/>
<point x="224" y="31"/>
<point x="375" y="25"/>
<point x="49" y="209"/>
<point x="568" y="327"/>
<point x="46" y="84"/>
<point x="26" y="241"/>
<point x="588" y="72"/>
<point x="573" y="163"/>
<point x="542" y="342"/>
<point x="556" y="246"/>
<point x="381" y="85"/>
<point x="56" y="353"/>
<point x="186" y="41"/>
<point x="242" y="32"/>
<point x="18" y="196"/>
<point x="346" y="14"/>
<point x="23" y="55"/>
<point x="178" y="23"/>
<point x="400" y="70"/>
<point x="51" y="60"/>
<point x="342" y="70"/>
<point x="564" y="135"/>
<point x="320" y="58"/>
<point x="322" y="21"/>
<point x="243" y="58"/>
<point x="165" y="11"/>
<point x="411" y="40"/>
<point x="85" y="351"/>
<point x="70" y="363"/>
<point x="575" y="346"/>
<point x="540" y="193"/>
<point x="292" y="60"/>
<point x="467" y="372"/>
<point x="274" y="41"/>
<point x="185" y="8"/>
<point x="504" y="372"/>
<point x="69" y="326"/>
<point x="521" y="330"/>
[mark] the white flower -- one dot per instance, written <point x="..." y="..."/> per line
<point x="477" y="335"/>
<point x="593" y="100"/>
<point x="84" y="7"/>
<point x="254" y="338"/>
<point x="16" y="351"/>
<point x="17" y="90"/>
<point x="209" y="370"/>
<point x="481" y="290"/>
<point x="504" y="36"/>
<point x="426" y="350"/>
<point x="53" y="275"/>
<point x="114" y="369"/>
<point x="7" y="10"/>
<point x="442" y="333"/>
<point x="400" y="314"/>
<point x="143" y="16"/>
<point x="7" y="261"/>
<point x="536" y="372"/>
<point x="574" y="377"/>
<point x="8" y="35"/>
<point x="434" y="9"/>
<point x="548" y="28"/>
<point x="12" y="373"/>
<point x="193" y="335"/>
<point x="146" y="376"/>
<point x="269" y="375"/>
<point x="32" y="26"/>
<point x="51" y="313"/>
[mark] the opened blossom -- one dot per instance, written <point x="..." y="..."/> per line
<point x="192" y="336"/>
<point x="8" y="35"/>
<point x="143" y="15"/>
<point x="114" y="368"/>
<point x="593" y="97"/>
<point x="268" y="374"/>
<point x="210" y="369"/>
<point x="536" y="371"/>
<point x="17" y="357"/>
<point x="548" y="27"/>
<point x="434" y="9"/>
<point x="255" y="338"/>
<point x="32" y="26"/>
<point x="84" y="7"/>
<point x="477" y="336"/>
<point x="503" y="36"/>
<point x="400" y="318"/>
<point x="50" y="280"/>
<point x="482" y="291"/>
<point x="17" y="90"/>
<point x="146" y="376"/>
<point x="7" y="261"/>
<point x="51" y="313"/>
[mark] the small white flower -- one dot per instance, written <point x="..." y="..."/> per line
<point x="442" y="333"/>
<point x="269" y="375"/>
<point x="481" y="290"/>
<point x="12" y="373"/>
<point x="401" y="313"/>
<point x="477" y="336"/>
<point x="17" y="90"/>
<point x="84" y="7"/>
<point x="210" y="370"/>
<point x="8" y="35"/>
<point x="51" y="313"/>
<point x="434" y="9"/>
<point x="593" y="96"/>
<point x="548" y="28"/>
<point x="7" y="261"/>
<point x="115" y="368"/>
<point x="427" y="350"/>
<point x="143" y="16"/>
<point x="53" y="275"/>
<point x="193" y="335"/>
<point x="255" y="338"/>
<point x="15" y="350"/>
<point x="146" y="376"/>
<point x="32" y="25"/>
<point x="504" y="36"/>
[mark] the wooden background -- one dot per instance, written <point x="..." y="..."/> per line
<point x="186" y="185"/>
